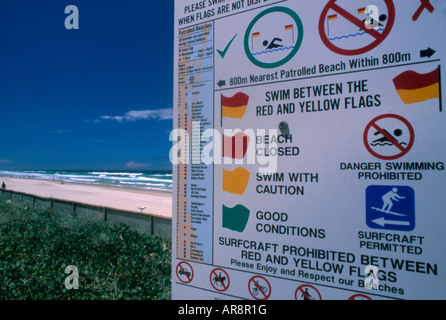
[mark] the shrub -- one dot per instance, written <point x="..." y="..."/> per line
<point x="114" y="262"/>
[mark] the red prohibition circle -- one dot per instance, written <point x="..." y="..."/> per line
<point x="379" y="37"/>
<point x="260" y="295"/>
<point x="189" y="275"/>
<point x="404" y="151"/>
<point x="363" y="296"/>
<point x="214" y="278"/>
<point x="300" y="290"/>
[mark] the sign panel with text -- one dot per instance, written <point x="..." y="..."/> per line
<point x="309" y="150"/>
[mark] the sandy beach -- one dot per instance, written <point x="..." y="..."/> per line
<point x="156" y="203"/>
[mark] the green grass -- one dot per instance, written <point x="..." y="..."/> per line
<point x="114" y="262"/>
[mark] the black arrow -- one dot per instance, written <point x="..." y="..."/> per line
<point x="221" y="83"/>
<point x="427" y="53"/>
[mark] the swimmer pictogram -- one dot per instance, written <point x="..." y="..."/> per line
<point x="270" y="45"/>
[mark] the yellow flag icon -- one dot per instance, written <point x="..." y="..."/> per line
<point x="235" y="181"/>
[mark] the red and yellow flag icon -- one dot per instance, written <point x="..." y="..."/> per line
<point x="235" y="181"/>
<point x="417" y="87"/>
<point x="234" y="107"/>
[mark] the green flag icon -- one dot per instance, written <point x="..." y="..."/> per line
<point x="236" y="218"/>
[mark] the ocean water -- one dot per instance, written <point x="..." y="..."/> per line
<point x="144" y="180"/>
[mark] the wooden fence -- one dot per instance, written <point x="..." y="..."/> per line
<point x="143" y="223"/>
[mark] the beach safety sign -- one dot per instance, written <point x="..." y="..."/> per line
<point x="390" y="207"/>
<point x="356" y="30"/>
<point x="389" y="137"/>
<point x="308" y="150"/>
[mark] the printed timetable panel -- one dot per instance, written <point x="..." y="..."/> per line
<point x="312" y="151"/>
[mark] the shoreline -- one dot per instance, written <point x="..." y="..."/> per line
<point x="157" y="202"/>
<point x="104" y="185"/>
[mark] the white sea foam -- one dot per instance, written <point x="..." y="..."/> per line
<point x="147" y="180"/>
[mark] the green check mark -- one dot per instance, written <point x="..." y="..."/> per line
<point x="223" y="53"/>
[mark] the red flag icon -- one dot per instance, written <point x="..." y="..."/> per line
<point x="235" y="147"/>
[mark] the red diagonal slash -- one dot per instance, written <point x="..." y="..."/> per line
<point x="425" y="4"/>
<point x="347" y="15"/>
<point x="389" y="137"/>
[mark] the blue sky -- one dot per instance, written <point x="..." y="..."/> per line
<point x="99" y="97"/>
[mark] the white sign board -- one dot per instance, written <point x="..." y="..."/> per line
<point x="309" y="150"/>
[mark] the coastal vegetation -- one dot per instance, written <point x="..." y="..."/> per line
<point x="38" y="247"/>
